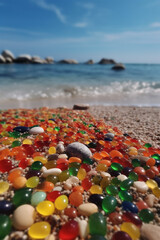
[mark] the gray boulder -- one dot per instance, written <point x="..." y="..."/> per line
<point x="7" y="54"/>
<point x="38" y="60"/>
<point x="23" y="59"/>
<point x="90" y="61"/>
<point x="107" y="61"/>
<point x="49" y="60"/>
<point x="68" y="61"/>
<point x="118" y="66"/>
<point x="79" y="150"/>
<point x="2" y="59"/>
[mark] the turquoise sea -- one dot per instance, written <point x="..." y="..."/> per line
<point x="28" y="86"/>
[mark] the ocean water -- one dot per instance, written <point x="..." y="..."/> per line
<point x="28" y="86"/>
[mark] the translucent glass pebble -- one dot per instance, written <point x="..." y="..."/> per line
<point x="37" y="197"/>
<point x="97" y="224"/>
<point x="116" y="166"/>
<point x="70" y="230"/>
<point x="5" y="226"/>
<point x="4" y="186"/>
<point x="132" y="230"/>
<point x="125" y="196"/>
<point x="126" y="184"/>
<point x="45" y="208"/>
<point x="6" y="207"/>
<point x="39" y="230"/>
<point x="61" y="202"/>
<point x="120" y="235"/>
<point x="32" y="182"/>
<point x="112" y="190"/>
<point x="22" y="196"/>
<point x="151" y="184"/>
<point x="146" y="215"/>
<point x="95" y="189"/>
<point x="109" y="204"/>
<point x="129" y="206"/>
<point x="36" y="165"/>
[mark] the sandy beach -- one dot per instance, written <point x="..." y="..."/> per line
<point x="140" y="122"/>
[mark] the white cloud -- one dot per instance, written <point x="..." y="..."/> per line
<point x="51" y="7"/>
<point x="81" y="24"/>
<point x="87" y="5"/>
<point x="155" y="25"/>
<point x="8" y="29"/>
<point x="129" y="36"/>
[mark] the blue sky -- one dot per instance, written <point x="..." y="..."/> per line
<point x="125" y="30"/>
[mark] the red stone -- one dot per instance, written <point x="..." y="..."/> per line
<point x="51" y="196"/>
<point x="133" y="218"/>
<point x="69" y="230"/>
<point x="115" y="218"/>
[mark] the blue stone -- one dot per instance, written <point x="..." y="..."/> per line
<point x="96" y="199"/>
<point x="21" y="129"/>
<point x="6" y="207"/>
<point x="129" y="207"/>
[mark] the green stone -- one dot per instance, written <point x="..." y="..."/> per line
<point x="36" y="165"/>
<point x="126" y="184"/>
<point x="14" y="134"/>
<point x="156" y="156"/>
<point x="133" y="176"/>
<point x="97" y="224"/>
<point x="5" y="225"/>
<point x="63" y="176"/>
<point x="115" y="181"/>
<point x="89" y="161"/>
<point x="97" y="237"/>
<point x="112" y="190"/>
<point x="37" y="197"/>
<point x="57" y="129"/>
<point x="73" y="171"/>
<point x="109" y="204"/>
<point x="92" y="145"/>
<point x="74" y="164"/>
<point x="148" y="145"/>
<point x="136" y="162"/>
<point x="22" y="196"/>
<point x="16" y="144"/>
<point x="117" y="166"/>
<point x="52" y="178"/>
<point x="146" y="215"/>
<point x="125" y="196"/>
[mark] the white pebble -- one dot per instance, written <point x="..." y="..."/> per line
<point x="72" y="180"/>
<point x="23" y="217"/>
<point x="67" y="186"/>
<point x="83" y="228"/>
<point x="92" y="172"/>
<point x="150" y="232"/>
<point x="36" y="130"/>
<point x="105" y="174"/>
<point x="63" y="156"/>
<point x="86" y="209"/>
<point x="52" y="171"/>
<point x="121" y="177"/>
<point x="140" y="186"/>
<point x="150" y="200"/>
<point x="58" y="188"/>
<point x="60" y="148"/>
